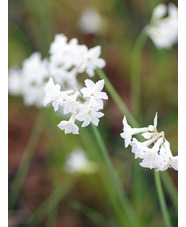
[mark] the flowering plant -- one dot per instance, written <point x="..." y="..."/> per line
<point x="55" y="81"/>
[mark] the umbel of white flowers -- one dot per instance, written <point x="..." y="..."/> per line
<point x="163" y="30"/>
<point x="82" y="104"/>
<point x="66" y="61"/>
<point x="154" y="151"/>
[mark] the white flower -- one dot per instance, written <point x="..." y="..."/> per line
<point x="33" y="95"/>
<point x="90" y="21"/>
<point x="71" y="105"/>
<point x="91" y="61"/>
<point x="88" y="114"/>
<point x="128" y="132"/>
<point x="15" y="82"/>
<point x="52" y="94"/>
<point x="93" y="91"/>
<point x="77" y="162"/>
<point x="174" y="162"/>
<point x="60" y="43"/>
<point x="141" y="148"/>
<point x="164" y="30"/>
<point x="64" y="77"/>
<point x="30" y="81"/>
<point x="69" y="126"/>
<point x="168" y="159"/>
<point x="151" y="158"/>
<point x="35" y="70"/>
<point x="158" y="12"/>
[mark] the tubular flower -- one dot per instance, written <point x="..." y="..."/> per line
<point x="154" y="151"/>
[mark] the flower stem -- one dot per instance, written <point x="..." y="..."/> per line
<point x="171" y="190"/>
<point x="120" y="192"/>
<point x="26" y="160"/>
<point x="91" y="147"/>
<point x="135" y="80"/>
<point x="119" y="102"/>
<point x="162" y="199"/>
<point x="121" y="105"/>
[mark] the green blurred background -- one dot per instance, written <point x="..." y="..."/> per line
<point x="32" y="26"/>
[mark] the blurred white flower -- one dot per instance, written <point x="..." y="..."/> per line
<point x="91" y="61"/>
<point x="33" y="95"/>
<point x="72" y="58"/>
<point x="30" y="80"/>
<point x="163" y="30"/>
<point x="154" y="151"/>
<point x="15" y="85"/>
<point x="77" y="161"/>
<point x="35" y="69"/>
<point x="90" y="21"/>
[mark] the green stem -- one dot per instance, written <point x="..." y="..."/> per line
<point x="135" y="74"/>
<point x="91" y="147"/>
<point x="121" y="105"/>
<point x="119" y="102"/>
<point x="162" y="199"/>
<point x="169" y="186"/>
<point x="122" y="197"/>
<point x="26" y="160"/>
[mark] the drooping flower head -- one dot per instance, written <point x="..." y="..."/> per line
<point x="154" y="151"/>
<point x="163" y="30"/>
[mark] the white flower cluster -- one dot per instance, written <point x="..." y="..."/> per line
<point x="83" y="104"/>
<point x="155" y="150"/>
<point x="163" y="30"/>
<point x="65" y="62"/>
<point x="69" y="59"/>
<point x="30" y="80"/>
